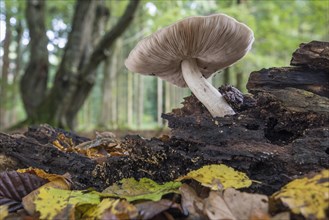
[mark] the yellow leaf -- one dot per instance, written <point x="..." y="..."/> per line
<point x="49" y="201"/>
<point x="218" y="176"/>
<point x="28" y="200"/>
<point x="307" y="196"/>
<point x="3" y="212"/>
<point x="121" y="209"/>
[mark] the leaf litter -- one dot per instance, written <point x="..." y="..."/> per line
<point x="49" y="196"/>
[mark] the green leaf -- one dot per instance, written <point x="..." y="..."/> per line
<point x="145" y="189"/>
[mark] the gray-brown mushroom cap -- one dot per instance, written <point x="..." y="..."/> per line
<point x="215" y="42"/>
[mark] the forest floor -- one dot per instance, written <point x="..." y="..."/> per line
<point x="278" y="138"/>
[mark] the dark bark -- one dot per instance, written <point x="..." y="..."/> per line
<point x="315" y="81"/>
<point x="33" y="84"/>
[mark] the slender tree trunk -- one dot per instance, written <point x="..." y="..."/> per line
<point x="130" y="99"/>
<point x="109" y="94"/>
<point x="17" y="73"/>
<point x="105" y="116"/>
<point x="33" y="84"/>
<point x="114" y="94"/>
<point x="167" y="98"/>
<point x="140" y="106"/>
<point x="226" y="77"/>
<point x="159" y="101"/>
<point x="239" y="80"/>
<point x="4" y="74"/>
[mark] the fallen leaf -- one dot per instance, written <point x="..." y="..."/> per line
<point x="48" y="176"/>
<point x="281" y="216"/>
<point x="112" y="209"/>
<point x="149" y="209"/>
<point x="14" y="186"/>
<point x="192" y="204"/>
<point x="57" y="182"/>
<point x="218" y="176"/>
<point x="3" y="212"/>
<point x="51" y="201"/>
<point x="308" y="196"/>
<point x="144" y="189"/>
<point x="246" y="205"/>
<point x="216" y="208"/>
<point x="103" y="146"/>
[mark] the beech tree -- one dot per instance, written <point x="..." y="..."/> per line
<point x="76" y="73"/>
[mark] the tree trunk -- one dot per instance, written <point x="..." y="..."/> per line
<point x="160" y="101"/>
<point x="77" y="72"/>
<point x="113" y="87"/>
<point x="140" y="106"/>
<point x="4" y="75"/>
<point x="33" y="84"/>
<point x="130" y="99"/>
<point x="77" y="51"/>
<point x="226" y="76"/>
<point x="239" y="80"/>
<point x="14" y="96"/>
<point x="88" y="72"/>
<point x="167" y="97"/>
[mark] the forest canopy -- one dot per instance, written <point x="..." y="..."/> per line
<point x="62" y="62"/>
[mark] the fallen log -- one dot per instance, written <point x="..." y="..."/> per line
<point x="272" y="138"/>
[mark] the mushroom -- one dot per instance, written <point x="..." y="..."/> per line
<point x="188" y="52"/>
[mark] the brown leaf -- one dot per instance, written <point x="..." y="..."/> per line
<point x="150" y="209"/>
<point x="14" y="186"/>
<point x="245" y="205"/>
<point x="192" y="204"/>
<point x="216" y="208"/>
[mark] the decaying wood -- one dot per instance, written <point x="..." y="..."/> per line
<point x="280" y="131"/>
<point x="314" y="55"/>
<point x="315" y="81"/>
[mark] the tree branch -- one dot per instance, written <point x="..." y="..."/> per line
<point x="99" y="53"/>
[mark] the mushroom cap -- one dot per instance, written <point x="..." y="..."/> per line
<point x="215" y="41"/>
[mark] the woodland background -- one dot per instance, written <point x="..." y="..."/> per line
<point x="62" y="61"/>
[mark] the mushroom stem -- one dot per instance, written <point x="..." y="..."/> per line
<point x="208" y="95"/>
